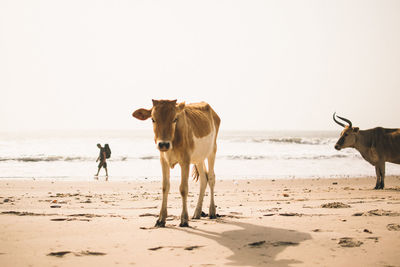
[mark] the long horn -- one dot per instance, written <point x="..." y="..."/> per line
<point x="346" y="120"/>
<point x="341" y="124"/>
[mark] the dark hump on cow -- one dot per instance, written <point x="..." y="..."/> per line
<point x="386" y="141"/>
<point x="381" y="132"/>
<point x="198" y="117"/>
<point x="391" y="131"/>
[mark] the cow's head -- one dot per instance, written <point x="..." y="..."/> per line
<point x="164" y="115"/>
<point x="348" y="136"/>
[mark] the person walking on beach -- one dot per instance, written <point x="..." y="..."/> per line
<point x="102" y="158"/>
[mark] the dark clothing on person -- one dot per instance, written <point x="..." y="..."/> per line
<point x="102" y="153"/>
<point x="103" y="162"/>
<point x="102" y="158"/>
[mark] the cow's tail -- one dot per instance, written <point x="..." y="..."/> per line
<point x="196" y="174"/>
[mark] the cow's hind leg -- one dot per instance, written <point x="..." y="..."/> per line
<point x="382" y="185"/>
<point x="201" y="168"/>
<point x="211" y="183"/>
<point x="184" y="188"/>
<point x="165" y="190"/>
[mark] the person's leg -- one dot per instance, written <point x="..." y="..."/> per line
<point x="98" y="170"/>
<point x="105" y="168"/>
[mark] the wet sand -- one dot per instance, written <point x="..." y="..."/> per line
<point x="298" y="222"/>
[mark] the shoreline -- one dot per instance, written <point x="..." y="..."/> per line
<point x="177" y="178"/>
<point x="280" y="222"/>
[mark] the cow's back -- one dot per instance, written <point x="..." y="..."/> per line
<point x="203" y="124"/>
<point x="388" y="143"/>
<point x="200" y="118"/>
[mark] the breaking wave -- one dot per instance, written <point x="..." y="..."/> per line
<point x="54" y="158"/>
<point x="45" y="158"/>
<point x="288" y="140"/>
<point x="283" y="157"/>
<point x="300" y="141"/>
<point x="149" y="157"/>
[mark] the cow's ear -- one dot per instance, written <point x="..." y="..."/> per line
<point x="356" y="129"/>
<point x="142" y="114"/>
<point x="180" y="107"/>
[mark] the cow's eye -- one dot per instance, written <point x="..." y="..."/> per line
<point x="176" y="119"/>
<point x="153" y="120"/>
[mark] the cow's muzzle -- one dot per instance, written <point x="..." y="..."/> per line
<point x="163" y="146"/>
<point x="338" y="147"/>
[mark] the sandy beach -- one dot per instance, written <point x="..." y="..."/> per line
<point x="297" y="222"/>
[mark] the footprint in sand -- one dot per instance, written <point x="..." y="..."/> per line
<point x="349" y="242"/>
<point x="393" y="227"/>
<point x="335" y="205"/>
<point x="172" y="247"/>
<point x="377" y="212"/>
<point x="59" y="253"/>
<point x="274" y="244"/>
<point x="82" y="253"/>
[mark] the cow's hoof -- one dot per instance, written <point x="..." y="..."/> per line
<point x="159" y="224"/>
<point x="213" y="216"/>
<point x="184" y="224"/>
<point x="198" y="216"/>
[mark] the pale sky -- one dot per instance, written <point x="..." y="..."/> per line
<point x="262" y="65"/>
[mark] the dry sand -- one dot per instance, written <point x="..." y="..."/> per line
<point x="298" y="222"/>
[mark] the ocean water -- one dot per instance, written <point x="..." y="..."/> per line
<point x="241" y="155"/>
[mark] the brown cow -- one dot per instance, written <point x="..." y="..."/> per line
<point x="184" y="134"/>
<point x="377" y="146"/>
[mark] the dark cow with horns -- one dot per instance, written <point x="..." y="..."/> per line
<point x="184" y="135"/>
<point x="377" y="146"/>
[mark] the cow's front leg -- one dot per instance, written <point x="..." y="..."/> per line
<point x="382" y="185"/>
<point x="165" y="190"/>
<point x="378" y="177"/>
<point x="380" y="173"/>
<point x="184" y="188"/>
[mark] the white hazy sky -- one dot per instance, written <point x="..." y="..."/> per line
<point x="262" y="65"/>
